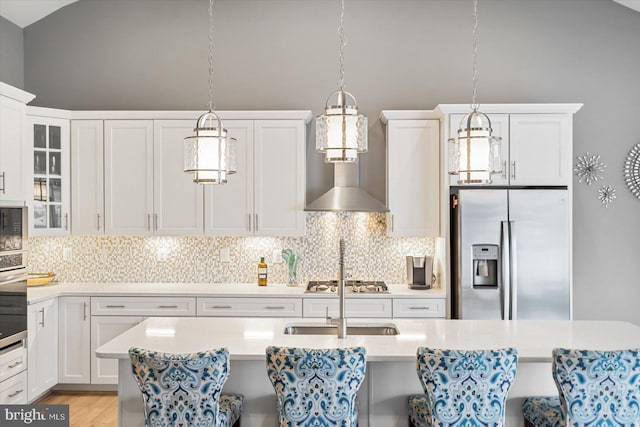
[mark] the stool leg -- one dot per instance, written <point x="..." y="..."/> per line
<point x="527" y="423"/>
<point x="237" y="423"/>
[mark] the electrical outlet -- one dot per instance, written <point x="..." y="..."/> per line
<point x="225" y="255"/>
<point x="67" y="254"/>
<point x="276" y="257"/>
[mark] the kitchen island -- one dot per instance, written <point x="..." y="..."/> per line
<point x="391" y="368"/>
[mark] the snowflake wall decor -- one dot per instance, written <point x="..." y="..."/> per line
<point x="606" y="194"/>
<point x="589" y="168"/>
<point x="632" y="171"/>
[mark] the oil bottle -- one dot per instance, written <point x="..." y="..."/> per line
<point x="262" y="272"/>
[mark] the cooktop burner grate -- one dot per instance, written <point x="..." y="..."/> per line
<point x="353" y="286"/>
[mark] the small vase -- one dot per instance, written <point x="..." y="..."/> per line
<point x="293" y="275"/>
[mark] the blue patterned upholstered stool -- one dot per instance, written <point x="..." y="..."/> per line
<point x="463" y="388"/>
<point x="597" y="388"/>
<point x="185" y="389"/>
<point x="316" y="387"/>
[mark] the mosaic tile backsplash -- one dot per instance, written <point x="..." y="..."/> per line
<point x="370" y="254"/>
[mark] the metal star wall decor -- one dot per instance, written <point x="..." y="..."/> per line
<point x="589" y="168"/>
<point x="606" y="194"/>
<point x="632" y="171"/>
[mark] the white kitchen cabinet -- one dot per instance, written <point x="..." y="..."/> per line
<point x="413" y="177"/>
<point x="354" y="307"/>
<point x="250" y="307"/>
<point x="13" y="360"/>
<point x="50" y="201"/>
<point x="74" y="340"/>
<point x="103" y="329"/>
<point x="15" y="155"/>
<point x="87" y="186"/>
<point x="419" y="308"/>
<point x="266" y="196"/>
<point x="42" y="347"/>
<point x="143" y="306"/>
<point x="128" y="177"/>
<point x="178" y="201"/>
<point x="14" y="390"/>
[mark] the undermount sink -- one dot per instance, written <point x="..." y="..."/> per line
<point x="362" y="329"/>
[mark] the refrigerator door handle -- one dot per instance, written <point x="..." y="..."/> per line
<point x="514" y="271"/>
<point x="505" y="281"/>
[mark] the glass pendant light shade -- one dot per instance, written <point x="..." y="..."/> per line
<point x="210" y="153"/>
<point x="341" y="133"/>
<point x="474" y="154"/>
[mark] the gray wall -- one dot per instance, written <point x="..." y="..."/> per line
<point x="11" y="54"/>
<point x="401" y="54"/>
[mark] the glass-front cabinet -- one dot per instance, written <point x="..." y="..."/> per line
<point x="49" y="207"/>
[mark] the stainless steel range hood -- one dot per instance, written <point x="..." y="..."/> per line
<point x="346" y="194"/>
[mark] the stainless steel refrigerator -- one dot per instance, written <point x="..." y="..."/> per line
<point x="510" y="254"/>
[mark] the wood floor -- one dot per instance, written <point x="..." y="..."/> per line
<point x="87" y="409"/>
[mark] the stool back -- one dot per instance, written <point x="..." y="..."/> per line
<point x="316" y="387"/>
<point x="180" y="389"/>
<point x="600" y="388"/>
<point x="466" y="387"/>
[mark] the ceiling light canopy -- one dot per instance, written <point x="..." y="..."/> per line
<point x="474" y="153"/>
<point x="341" y="133"/>
<point x="210" y="154"/>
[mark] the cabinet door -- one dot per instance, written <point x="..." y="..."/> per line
<point x="354" y="308"/>
<point x="14" y="155"/>
<point x="413" y="177"/>
<point x="541" y="147"/>
<point x="178" y="209"/>
<point x="128" y="177"/>
<point x="229" y="207"/>
<point x="42" y="350"/>
<point x="500" y="126"/>
<point x="280" y="177"/>
<point x="87" y="184"/>
<point x="50" y="202"/>
<point x="74" y="340"/>
<point x="103" y="329"/>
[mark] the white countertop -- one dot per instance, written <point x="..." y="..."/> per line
<point x="39" y="293"/>
<point x="247" y="338"/>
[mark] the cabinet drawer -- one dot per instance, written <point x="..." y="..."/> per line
<point x="412" y="307"/>
<point x="12" y="361"/>
<point x="250" y="307"/>
<point x="371" y="307"/>
<point x="13" y="391"/>
<point x="143" y="306"/>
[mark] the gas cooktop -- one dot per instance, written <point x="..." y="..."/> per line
<point x="355" y="286"/>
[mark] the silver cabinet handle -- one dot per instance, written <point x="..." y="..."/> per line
<point x="420" y="308"/>
<point x="4" y="182"/>
<point x="505" y="283"/>
<point x="155" y="222"/>
<point x="221" y="306"/>
<point x="14" y="365"/>
<point x="504" y="169"/>
<point x="115" y="306"/>
<point x="84" y="311"/>
<point x="66" y="221"/>
<point x="98" y="222"/>
<point x="249" y="215"/>
<point x="392" y="224"/>
<point x="513" y="169"/>
<point x="167" y="306"/>
<point x="256" y="227"/>
<point x="17" y="392"/>
<point x="42" y="313"/>
<point x="149" y="222"/>
<point x="275" y="307"/>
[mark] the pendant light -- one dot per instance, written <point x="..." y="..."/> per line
<point x="210" y="153"/>
<point x="341" y="133"/>
<point x="474" y="154"/>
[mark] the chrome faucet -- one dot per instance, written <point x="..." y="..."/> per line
<point x="341" y="321"/>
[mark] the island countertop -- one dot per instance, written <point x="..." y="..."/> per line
<point x="247" y="338"/>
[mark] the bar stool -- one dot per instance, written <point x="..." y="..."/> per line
<point x="463" y="387"/>
<point x="185" y="389"/>
<point x="316" y="387"/>
<point x="600" y="388"/>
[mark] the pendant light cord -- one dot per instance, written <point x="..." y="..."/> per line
<point x="211" y="106"/>
<point x="474" y="103"/>
<point x="343" y="43"/>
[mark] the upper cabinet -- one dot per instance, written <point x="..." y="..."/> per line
<point x="537" y="141"/>
<point x="413" y="174"/>
<point x="15" y="155"/>
<point x="266" y="195"/>
<point x="49" y="202"/>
